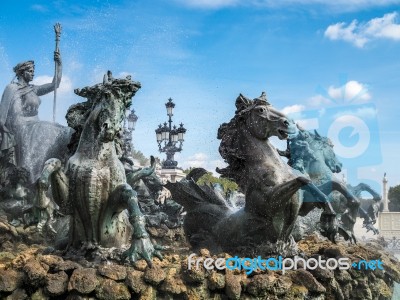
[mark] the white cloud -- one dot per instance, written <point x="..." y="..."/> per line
<point x="351" y="92"/>
<point x="340" y="31"/>
<point x="338" y="5"/>
<point x="386" y="27"/>
<point x="65" y="85"/>
<point x="308" y="124"/>
<point x="201" y="160"/>
<point x="318" y="100"/>
<point x="362" y="112"/>
<point x="295" y="113"/>
<point x="293" y="109"/>
<point x="197" y="160"/>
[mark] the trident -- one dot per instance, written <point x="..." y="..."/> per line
<point x="57" y="30"/>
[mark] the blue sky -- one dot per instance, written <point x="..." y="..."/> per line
<point x="307" y="55"/>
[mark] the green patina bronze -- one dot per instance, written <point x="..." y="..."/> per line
<point x="275" y="193"/>
<point x="313" y="155"/>
<point x="93" y="188"/>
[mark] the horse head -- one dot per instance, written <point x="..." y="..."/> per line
<point x="255" y="121"/>
<point x="323" y="147"/>
<point x="110" y="118"/>
<point x="108" y="102"/>
<point x="262" y="119"/>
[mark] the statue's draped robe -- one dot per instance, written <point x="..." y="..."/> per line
<point x="35" y="140"/>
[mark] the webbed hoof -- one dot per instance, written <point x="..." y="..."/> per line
<point x="143" y="248"/>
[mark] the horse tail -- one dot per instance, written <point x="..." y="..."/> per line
<point x="193" y="196"/>
<point x="204" y="207"/>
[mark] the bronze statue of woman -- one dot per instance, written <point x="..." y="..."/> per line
<point x="20" y="126"/>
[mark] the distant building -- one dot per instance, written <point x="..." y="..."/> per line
<point x="389" y="222"/>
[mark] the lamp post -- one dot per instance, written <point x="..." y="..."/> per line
<point x="129" y="126"/>
<point x="169" y="136"/>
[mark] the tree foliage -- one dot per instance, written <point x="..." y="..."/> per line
<point x="394" y="198"/>
<point x="143" y="160"/>
<point x="209" y="178"/>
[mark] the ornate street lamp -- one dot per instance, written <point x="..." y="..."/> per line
<point x="170" y="106"/>
<point x="129" y="126"/>
<point x="181" y="133"/>
<point x="132" y="119"/>
<point x="169" y="136"/>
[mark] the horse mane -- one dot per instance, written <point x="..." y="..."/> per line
<point x="303" y="141"/>
<point x="320" y="140"/>
<point x="229" y="149"/>
<point x="231" y="139"/>
<point x="76" y="117"/>
<point x="121" y="89"/>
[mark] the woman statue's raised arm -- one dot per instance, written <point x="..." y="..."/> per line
<point x="49" y="87"/>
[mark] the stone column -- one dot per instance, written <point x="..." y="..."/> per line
<point x="385" y="194"/>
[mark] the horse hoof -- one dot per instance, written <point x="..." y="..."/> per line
<point x="332" y="238"/>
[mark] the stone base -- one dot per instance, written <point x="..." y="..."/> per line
<point x="27" y="272"/>
<point x="389" y="224"/>
<point x="172" y="175"/>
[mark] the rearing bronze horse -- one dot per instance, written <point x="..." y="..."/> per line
<point x="313" y="155"/>
<point x="93" y="190"/>
<point x="274" y="191"/>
